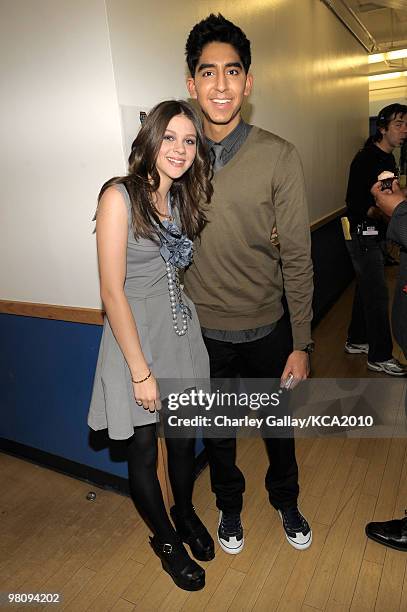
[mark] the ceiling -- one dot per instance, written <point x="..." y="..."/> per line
<point x="386" y="21"/>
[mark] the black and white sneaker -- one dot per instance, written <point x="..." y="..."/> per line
<point x="356" y="349"/>
<point x="392" y="367"/>
<point x="297" y="530"/>
<point x="230" y="533"/>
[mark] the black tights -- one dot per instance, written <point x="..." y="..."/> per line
<point x="144" y="484"/>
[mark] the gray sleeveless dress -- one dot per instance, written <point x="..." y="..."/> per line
<point x="178" y="362"/>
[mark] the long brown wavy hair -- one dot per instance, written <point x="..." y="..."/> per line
<point x="189" y="193"/>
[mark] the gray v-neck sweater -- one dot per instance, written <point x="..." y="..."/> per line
<point x="236" y="280"/>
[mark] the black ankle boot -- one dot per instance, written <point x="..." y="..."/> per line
<point x="193" y="532"/>
<point x="175" y="560"/>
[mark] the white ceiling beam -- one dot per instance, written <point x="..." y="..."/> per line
<point x="352" y="22"/>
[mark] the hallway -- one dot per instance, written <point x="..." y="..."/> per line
<point x="96" y="553"/>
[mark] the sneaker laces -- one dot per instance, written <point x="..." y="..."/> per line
<point x="294" y="520"/>
<point x="394" y="361"/>
<point x="231" y="524"/>
<point x="397" y="363"/>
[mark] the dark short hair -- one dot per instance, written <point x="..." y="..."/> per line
<point x="216" y="28"/>
<point x="387" y="114"/>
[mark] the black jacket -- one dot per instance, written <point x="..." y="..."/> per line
<point x="397" y="232"/>
<point x="364" y="170"/>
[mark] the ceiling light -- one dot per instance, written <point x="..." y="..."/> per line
<point x="387" y="75"/>
<point x="376" y="58"/>
<point x="392" y="55"/>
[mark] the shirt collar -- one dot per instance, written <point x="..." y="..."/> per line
<point x="231" y="138"/>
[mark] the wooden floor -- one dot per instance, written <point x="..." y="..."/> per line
<point x="52" y="540"/>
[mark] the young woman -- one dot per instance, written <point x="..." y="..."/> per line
<point x="146" y="222"/>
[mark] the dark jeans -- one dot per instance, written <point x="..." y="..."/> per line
<point x="370" y="316"/>
<point x="264" y="358"/>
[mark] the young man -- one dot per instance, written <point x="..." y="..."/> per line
<point x="236" y="281"/>
<point x="393" y="533"/>
<point x="369" y="329"/>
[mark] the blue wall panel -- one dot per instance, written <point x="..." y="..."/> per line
<point x="46" y="375"/>
<point x="332" y="267"/>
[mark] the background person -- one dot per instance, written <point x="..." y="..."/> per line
<point x="369" y="329"/>
<point x="394" y="204"/>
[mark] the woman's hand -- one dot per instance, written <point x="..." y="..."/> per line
<point x="147" y="394"/>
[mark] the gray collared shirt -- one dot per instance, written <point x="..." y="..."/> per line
<point x="232" y="143"/>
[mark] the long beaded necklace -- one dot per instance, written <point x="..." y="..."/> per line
<point x="176" y="250"/>
<point x="176" y="302"/>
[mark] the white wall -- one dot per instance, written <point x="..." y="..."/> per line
<point x="382" y="93"/>
<point x="148" y="40"/>
<point x="62" y="103"/>
<point x="60" y="133"/>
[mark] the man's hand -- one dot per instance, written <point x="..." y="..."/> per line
<point x="387" y="200"/>
<point x="297" y="365"/>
